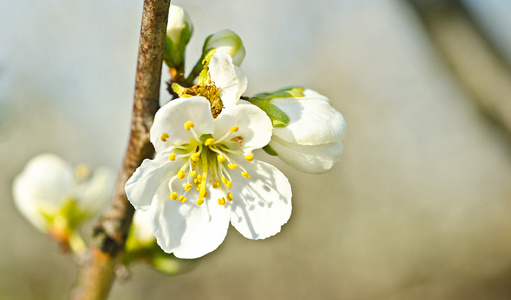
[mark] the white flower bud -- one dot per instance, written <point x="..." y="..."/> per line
<point x="179" y="32"/>
<point x="228" y="40"/>
<point x="53" y="196"/>
<point x="307" y="130"/>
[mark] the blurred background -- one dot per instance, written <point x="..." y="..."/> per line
<point x="417" y="209"/>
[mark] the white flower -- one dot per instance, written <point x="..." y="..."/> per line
<point x="141" y="229"/>
<point x="54" y="196"/>
<point x="307" y="131"/>
<point x="221" y="80"/>
<point x="228" y="40"/>
<point x="204" y="176"/>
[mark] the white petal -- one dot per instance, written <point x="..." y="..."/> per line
<point x="254" y="126"/>
<point x="44" y="185"/>
<point x="312" y="120"/>
<point x="308" y="158"/>
<point x="226" y="76"/>
<point x="94" y="194"/>
<point x="141" y="229"/>
<point x="171" y="118"/>
<point x="187" y="229"/>
<point x="143" y="184"/>
<point x="262" y="203"/>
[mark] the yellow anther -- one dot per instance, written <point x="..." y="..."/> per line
<point x="193" y="165"/>
<point x="224" y="180"/>
<point x="173" y="196"/>
<point x="228" y="184"/>
<point x="221" y="201"/>
<point x="181" y="198"/>
<point x="172" y="156"/>
<point x="199" y="177"/>
<point x="188" y="125"/>
<point x="164" y="136"/>
<point x="221" y="158"/>
<point x="188" y="187"/>
<point x="229" y="196"/>
<point x="249" y="157"/>
<point x="216" y="184"/>
<point x="245" y="174"/>
<point x="193" y="173"/>
<point x="82" y="171"/>
<point x="181" y="174"/>
<point x="195" y="156"/>
<point x="197" y="188"/>
<point x="200" y="201"/>
<point x="195" y="181"/>
<point x="234" y="129"/>
<point x="209" y="141"/>
<point x="206" y="194"/>
<point x="232" y="166"/>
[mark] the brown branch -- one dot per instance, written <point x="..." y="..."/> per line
<point x="109" y="235"/>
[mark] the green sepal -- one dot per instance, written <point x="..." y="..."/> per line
<point x="268" y="149"/>
<point x="174" y="53"/>
<point x="178" y="89"/>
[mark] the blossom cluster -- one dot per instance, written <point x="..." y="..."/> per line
<point x="205" y="175"/>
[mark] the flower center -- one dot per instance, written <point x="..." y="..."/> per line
<point x="210" y="92"/>
<point x="208" y="163"/>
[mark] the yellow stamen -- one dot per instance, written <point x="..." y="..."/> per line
<point x="181" y="198"/>
<point x="232" y="166"/>
<point x="164" y="136"/>
<point x="193" y="165"/>
<point x="206" y="194"/>
<point x="221" y="201"/>
<point x="228" y="184"/>
<point x="209" y="141"/>
<point x="221" y="158"/>
<point x="172" y="156"/>
<point x="229" y="196"/>
<point x="188" y="187"/>
<point x="173" y="196"/>
<point x="196" y="156"/>
<point x="197" y="188"/>
<point x="200" y="201"/>
<point x="199" y="177"/>
<point x="204" y="178"/>
<point x="245" y="174"/>
<point x="195" y="181"/>
<point x="181" y="174"/>
<point x="249" y="157"/>
<point x="188" y="125"/>
<point x="193" y="173"/>
<point x="224" y="180"/>
<point x="216" y="184"/>
<point x="234" y="129"/>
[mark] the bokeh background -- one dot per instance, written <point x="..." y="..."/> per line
<point x="417" y="209"/>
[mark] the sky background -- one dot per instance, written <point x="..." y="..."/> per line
<point x="417" y="209"/>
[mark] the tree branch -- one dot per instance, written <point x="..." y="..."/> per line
<point x="109" y="235"/>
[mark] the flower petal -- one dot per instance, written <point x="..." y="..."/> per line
<point x="171" y="118"/>
<point x="187" y="229"/>
<point x="94" y="194"/>
<point x="308" y="158"/>
<point x="312" y="120"/>
<point x="254" y="126"/>
<point x="143" y="184"/>
<point x="228" y="77"/>
<point x="262" y="203"/>
<point x="44" y="185"/>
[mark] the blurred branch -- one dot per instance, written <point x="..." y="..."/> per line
<point x="477" y="64"/>
<point x="109" y="235"/>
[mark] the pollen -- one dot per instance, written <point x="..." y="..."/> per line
<point x="245" y="174"/>
<point x="216" y="184"/>
<point x="173" y="196"/>
<point x="188" y="187"/>
<point x="221" y="158"/>
<point x="181" y="174"/>
<point x="232" y="166"/>
<point x="164" y="136"/>
<point x="229" y="196"/>
<point x="188" y="125"/>
<point x="182" y="199"/>
<point x="234" y="129"/>
<point x="192" y="173"/>
<point x="209" y="142"/>
<point x="221" y="201"/>
<point x="172" y="156"/>
<point x="196" y="156"/>
<point x="200" y="201"/>
<point x="249" y="157"/>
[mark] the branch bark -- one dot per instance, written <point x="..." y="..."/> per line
<point x="109" y="234"/>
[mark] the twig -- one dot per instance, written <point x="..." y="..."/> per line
<point x="109" y="235"/>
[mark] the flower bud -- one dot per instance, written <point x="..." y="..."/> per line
<point x="226" y="39"/>
<point x="179" y="32"/>
<point x="307" y="130"/>
<point x="56" y="198"/>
